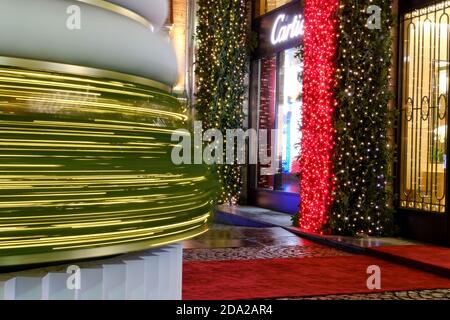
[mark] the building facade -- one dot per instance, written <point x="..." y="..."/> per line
<point x="419" y="81"/>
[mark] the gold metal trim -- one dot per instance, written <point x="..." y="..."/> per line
<point x="120" y="10"/>
<point x="81" y="71"/>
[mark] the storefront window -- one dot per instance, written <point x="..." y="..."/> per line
<point x="264" y="6"/>
<point x="279" y="108"/>
<point x="289" y="111"/>
<point x="424" y="111"/>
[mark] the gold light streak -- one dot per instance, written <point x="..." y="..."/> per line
<point x="80" y="74"/>
<point x="111" y="213"/>
<point x="148" y="238"/>
<point x="85" y="164"/>
<point x="113" y="236"/>
<point x="127" y="126"/>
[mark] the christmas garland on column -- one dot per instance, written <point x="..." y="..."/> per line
<point x="221" y="68"/>
<point x="362" y="156"/>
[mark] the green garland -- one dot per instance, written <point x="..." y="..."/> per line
<point x="221" y="68"/>
<point x="362" y="120"/>
<point x="295" y="219"/>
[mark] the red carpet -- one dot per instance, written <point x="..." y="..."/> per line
<point x="297" y="277"/>
<point x="432" y="258"/>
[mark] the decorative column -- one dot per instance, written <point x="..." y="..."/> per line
<point x="364" y="120"/>
<point x="320" y="45"/>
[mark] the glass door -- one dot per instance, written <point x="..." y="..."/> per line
<point x="425" y="83"/>
<point x="279" y="112"/>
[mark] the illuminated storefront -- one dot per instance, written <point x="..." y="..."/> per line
<point x="422" y="185"/>
<point x="275" y="102"/>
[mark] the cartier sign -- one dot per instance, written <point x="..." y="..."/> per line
<point x="285" y="29"/>
<point x="279" y="29"/>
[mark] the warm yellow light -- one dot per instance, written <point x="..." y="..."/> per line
<point x="85" y="164"/>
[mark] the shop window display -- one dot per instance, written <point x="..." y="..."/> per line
<point x="279" y="108"/>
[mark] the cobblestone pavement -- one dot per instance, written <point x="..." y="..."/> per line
<point x="267" y="252"/>
<point x="437" y="294"/>
<point x="245" y="243"/>
<point x="224" y="242"/>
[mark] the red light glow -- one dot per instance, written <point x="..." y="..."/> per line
<point x="316" y="168"/>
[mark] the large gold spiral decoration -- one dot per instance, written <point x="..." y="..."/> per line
<point x="85" y="168"/>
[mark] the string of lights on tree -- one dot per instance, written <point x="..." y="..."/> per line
<point x="316" y="168"/>
<point x="221" y="68"/>
<point x="362" y="121"/>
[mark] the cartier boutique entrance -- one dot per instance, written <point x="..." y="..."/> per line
<point x="275" y="104"/>
<point x="423" y="182"/>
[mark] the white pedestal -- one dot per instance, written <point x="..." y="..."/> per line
<point x="147" y="275"/>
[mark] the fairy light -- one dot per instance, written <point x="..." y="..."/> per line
<point x="362" y="154"/>
<point x="221" y="69"/>
<point x="318" y="106"/>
